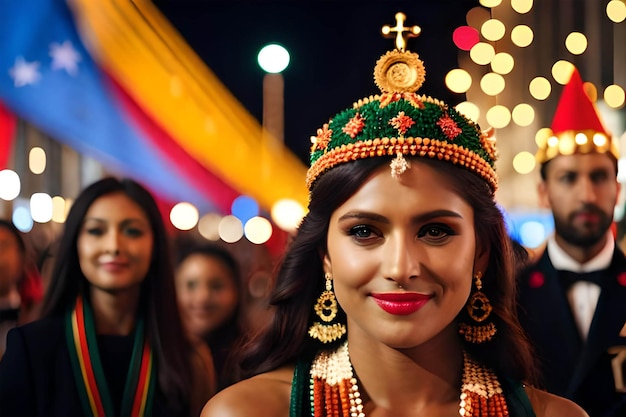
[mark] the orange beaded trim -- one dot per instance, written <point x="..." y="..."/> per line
<point x="407" y="146"/>
<point x="334" y="389"/>
<point x="481" y="393"/>
<point x="335" y="392"/>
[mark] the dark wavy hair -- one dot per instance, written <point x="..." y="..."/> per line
<point x="299" y="281"/>
<point x="157" y="304"/>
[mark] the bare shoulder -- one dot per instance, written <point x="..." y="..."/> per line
<point x="266" y="394"/>
<point x="550" y="405"/>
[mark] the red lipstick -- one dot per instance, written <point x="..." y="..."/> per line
<point x="401" y="304"/>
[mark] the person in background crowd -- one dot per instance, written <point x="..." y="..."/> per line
<point x="20" y="283"/>
<point x="396" y="297"/>
<point x="572" y="299"/>
<point x="111" y="341"/>
<point x="209" y="291"/>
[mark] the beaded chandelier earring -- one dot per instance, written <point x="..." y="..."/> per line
<point x="479" y="309"/>
<point x="326" y="310"/>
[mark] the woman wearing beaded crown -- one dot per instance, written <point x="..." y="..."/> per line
<point x="396" y="297"/>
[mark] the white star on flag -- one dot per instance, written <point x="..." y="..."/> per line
<point x="65" y="57"/>
<point x="24" y="72"/>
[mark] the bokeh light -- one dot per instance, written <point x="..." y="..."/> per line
<point x="498" y="116"/>
<point x="287" y="214"/>
<point x="492" y="84"/>
<point x="230" y="229"/>
<point x="614" y="96"/>
<point x="10" y="185"/>
<point x="490" y="3"/>
<point x="244" y="208"/>
<point x="542" y="136"/>
<point x="458" y="80"/>
<point x="41" y="207"/>
<point x="502" y="63"/>
<point x="469" y="109"/>
<point x="540" y="88"/>
<point x="476" y="16"/>
<point x="59" y="209"/>
<point x="522" y="36"/>
<point x="208" y="226"/>
<point x="591" y="91"/>
<point x="258" y="230"/>
<point x="562" y="71"/>
<point x="37" y="160"/>
<point x="273" y="58"/>
<point x="465" y="37"/>
<point x="524" y="162"/>
<point x="21" y="219"/>
<point x="532" y="234"/>
<point x="616" y="10"/>
<point x="184" y="216"/>
<point x="576" y="43"/>
<point x="523" y="114"/>
<point x="522" y="6"/>
<point x="493" y="30"/>
<point x="482" y="53"/>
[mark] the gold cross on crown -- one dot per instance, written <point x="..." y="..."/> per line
<point x="402" y="33"/>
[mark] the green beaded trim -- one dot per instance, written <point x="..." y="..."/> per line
<point x="403" y="123"/>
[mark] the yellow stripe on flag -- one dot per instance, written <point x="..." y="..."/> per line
<point x="146" y="55"/>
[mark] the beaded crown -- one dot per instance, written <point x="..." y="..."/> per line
<point x="577" y="127"/>
<point x="398" y="122"/>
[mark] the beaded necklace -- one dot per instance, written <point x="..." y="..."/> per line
<point x="335" y="391"/>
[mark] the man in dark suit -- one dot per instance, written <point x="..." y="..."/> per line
<point x="572" y="300"/>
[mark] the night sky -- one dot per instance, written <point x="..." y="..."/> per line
<point x="334" y="46"/>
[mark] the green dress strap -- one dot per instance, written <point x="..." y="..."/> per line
<point x="300" y="404"/>
<point x="516" y="398"/>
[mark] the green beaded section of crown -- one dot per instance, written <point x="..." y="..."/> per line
<point x="400" y="116"/>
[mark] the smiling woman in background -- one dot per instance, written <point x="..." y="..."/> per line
<point x="208" y="287"/>
<point x="111" y="341"/>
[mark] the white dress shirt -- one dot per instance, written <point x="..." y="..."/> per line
<point x="582" y="296"/>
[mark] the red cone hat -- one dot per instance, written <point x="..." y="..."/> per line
<point x="575" y="110"/>
<point x="576" y="127"/>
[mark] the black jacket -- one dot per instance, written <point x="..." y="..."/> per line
<point x="580" y="371"/>
<point x="36" y="377"/>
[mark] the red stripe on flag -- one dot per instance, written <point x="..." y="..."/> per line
<point x="7" y="129"/>
<point x="215" y="189"/>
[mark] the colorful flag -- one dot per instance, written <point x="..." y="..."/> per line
<point x="48" y="78"/>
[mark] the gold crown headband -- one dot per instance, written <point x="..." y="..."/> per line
<point x="401" y="123"/>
